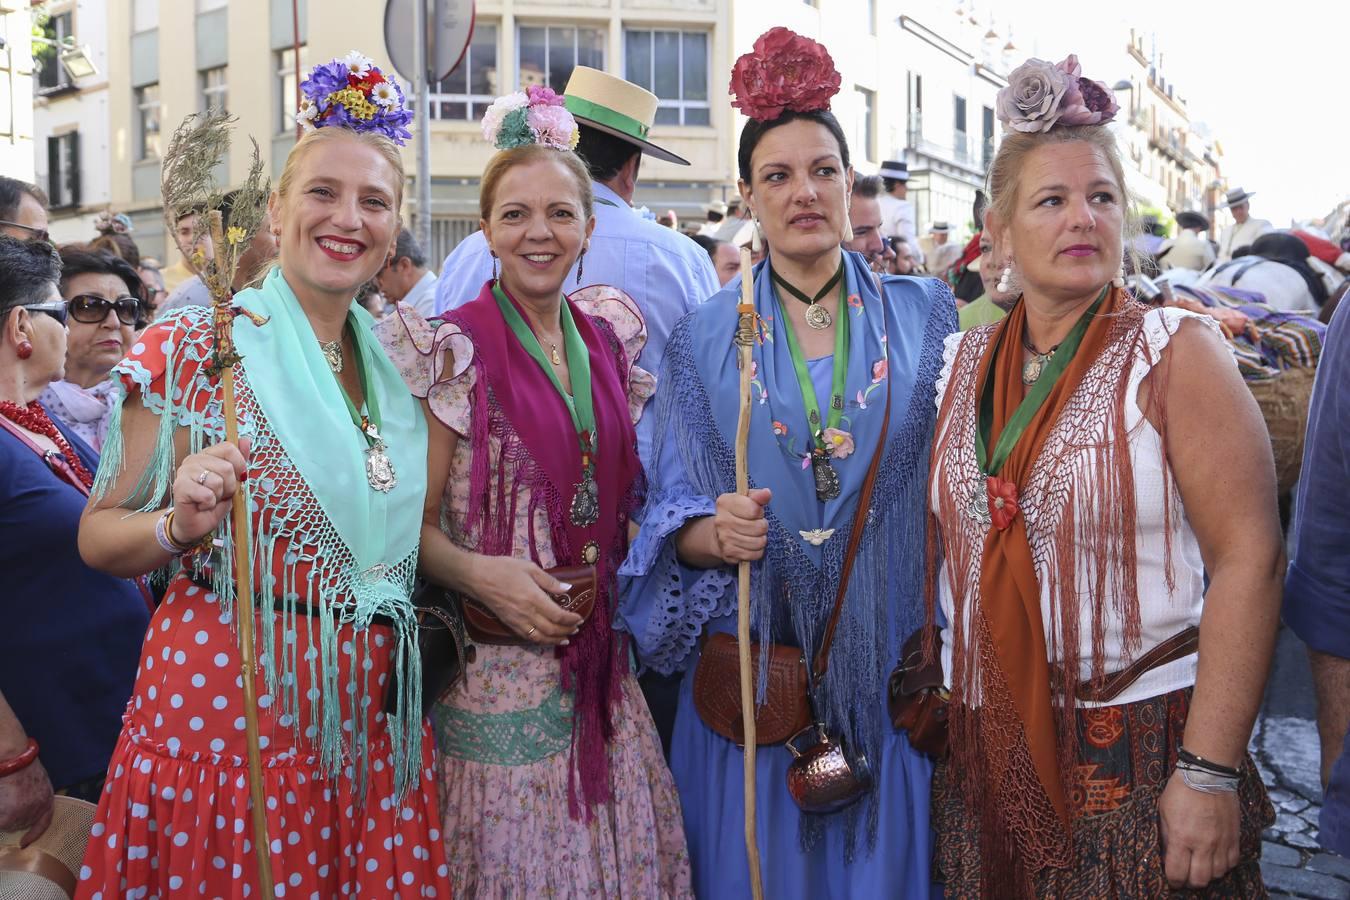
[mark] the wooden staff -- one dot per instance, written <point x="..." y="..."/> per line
<point x="745" y="341"/>
<point x="227" y="359"/>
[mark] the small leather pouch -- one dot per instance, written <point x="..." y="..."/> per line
<point x="717" y="691"/>
<point x="485" y="628"/>
<point x="441" y="643"/>
<point x="917" y="698"/>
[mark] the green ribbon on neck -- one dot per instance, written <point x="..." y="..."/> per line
<point x="839" y="365"/>
<point x="1034" y="399"/>
<point x="580" y="404"/>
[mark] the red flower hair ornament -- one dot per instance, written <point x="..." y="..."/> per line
<point x="784" y="71"/>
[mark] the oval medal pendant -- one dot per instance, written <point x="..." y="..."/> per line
<point x="818" y="317"/>
<point x="827" y="479"/>
<point x="978" y="505"/>
<point x="1032" y="368"/>
<point x="585" y="510"/>
<point x="379" y="470"/>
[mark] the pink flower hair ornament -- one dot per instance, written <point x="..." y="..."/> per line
<point x="785" y="72"/>
<point x="1041" y="95"/>
<point x="536" y="116"/>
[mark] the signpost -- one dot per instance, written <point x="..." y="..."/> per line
<point x="426" y="40"/>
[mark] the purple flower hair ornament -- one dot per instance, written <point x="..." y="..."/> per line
<point x="1041" y="95"/>
<point x="353" y="93"/>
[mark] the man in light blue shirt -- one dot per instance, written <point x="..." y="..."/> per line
<point x="665" y="273"/>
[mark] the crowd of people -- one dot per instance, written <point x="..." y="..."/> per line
<point x="1015" y="526"/>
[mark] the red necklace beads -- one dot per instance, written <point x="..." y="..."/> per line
<point x="34" y="418"/>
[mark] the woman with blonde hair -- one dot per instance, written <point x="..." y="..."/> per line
<point x="552" y="779"/>
<point x="1094" y="461"/>
<point x="333" y="464"/>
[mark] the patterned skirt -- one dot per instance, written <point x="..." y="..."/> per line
<point x="1126" y="755"/>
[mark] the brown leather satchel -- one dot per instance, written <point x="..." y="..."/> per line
<point x="485" y="628"/>
<point x="916" y="696"/>
<point x="786" y="710"/>
<point x="717" y="691"/>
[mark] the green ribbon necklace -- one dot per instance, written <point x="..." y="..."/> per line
<point x="379" y="470"/>
<point x="827" y="479"/>
<point x="991" y="465"/>
<point x="585" y="508"/>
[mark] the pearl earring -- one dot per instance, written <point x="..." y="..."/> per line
<point x="1005" y="280"/>
<point x="1119" y="280"/>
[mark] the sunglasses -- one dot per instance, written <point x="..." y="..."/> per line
<point x="92" y="309"/>
<point x="56" y="309"/>
<point x="34" y="234"/>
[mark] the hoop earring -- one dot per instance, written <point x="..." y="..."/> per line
<point x="581" y="264"/>
<point x="24" y="350"/>
<point x="1004" y="285"/>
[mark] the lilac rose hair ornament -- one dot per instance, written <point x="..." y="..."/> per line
<point x="352" y="92"/>
<point x="1041" y="95"/>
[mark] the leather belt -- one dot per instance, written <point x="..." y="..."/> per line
<point x="279" y="605"/>
<point x="1108" y="688"/>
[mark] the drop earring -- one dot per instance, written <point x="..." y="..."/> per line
<point x="848" y="225"/>
<point x="1004" y="285"/>
<point x="756" y="238"/>
<point x="24" y="350"/>
<point x="1119" y="280"/>
<point x="494" y="265"/>
<point x="581" y="265"/>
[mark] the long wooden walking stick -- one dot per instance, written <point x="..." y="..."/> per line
<point x="745" y="341"/>
<point x="197" y="147"/>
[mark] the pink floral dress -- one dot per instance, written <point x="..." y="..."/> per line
<point x="504" y="732"/>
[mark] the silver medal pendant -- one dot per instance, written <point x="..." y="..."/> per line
<point x="585" y="509"/>
<point x="978" y="506"/>
<point x="827" y="479"/>
<point x="379" y="469"/>
<point x="818" y="317"/>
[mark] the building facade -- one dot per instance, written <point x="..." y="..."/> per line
<point x="16" y="90"/>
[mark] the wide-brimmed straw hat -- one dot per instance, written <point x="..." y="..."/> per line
<point x="620" y="108"/>
<point x="48" y="868"/>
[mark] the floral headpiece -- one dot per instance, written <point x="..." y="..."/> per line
<point x="1041" y="95"/>
<point x="534" y="116"/>
<point x="108" y="223"/>
<point x="352" y="92"/>
<point x="784" y="72"/>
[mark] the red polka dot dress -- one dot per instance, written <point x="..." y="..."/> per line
<point x="175" y="816"/>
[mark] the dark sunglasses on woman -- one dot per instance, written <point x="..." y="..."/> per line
<point x="57" y="309"/>
<point x="92" y="309"/>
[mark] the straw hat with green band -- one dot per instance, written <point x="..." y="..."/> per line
<point x="607" y="103"/>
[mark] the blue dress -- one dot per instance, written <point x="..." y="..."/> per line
<point x="882" y="846"/>
<point x="75" y="634"/>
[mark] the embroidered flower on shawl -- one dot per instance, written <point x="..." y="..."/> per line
<point x="879" y="370"/>
<point x="1003" y="506"/>
<point x="838" y="443"/>
<point x="780" y="429"/>
<point x="855" y="302"/>
<point x="862" y="400"/>
<point x="784" y="71"/>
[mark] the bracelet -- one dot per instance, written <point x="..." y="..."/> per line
<point x="1206" y="782"/>
<point x="1198" y="762"/>
<point x="164" y="537"/>
<point x="20" y="762"/>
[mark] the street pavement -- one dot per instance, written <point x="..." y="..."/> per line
<point x="1286" y="750"/>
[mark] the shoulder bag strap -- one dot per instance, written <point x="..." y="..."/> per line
<point x="59" y="465"/>
<point x="822" y="661"/>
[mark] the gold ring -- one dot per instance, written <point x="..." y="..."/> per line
<point x="531" y="631"/>
<point x="201" y="479"/>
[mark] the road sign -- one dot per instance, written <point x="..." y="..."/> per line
<point x="450" y="28"/>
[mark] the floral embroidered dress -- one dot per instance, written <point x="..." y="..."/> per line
<point x="507" y="733"/>
<point x="351" y="804"/>
<point x="881" y="846"/>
